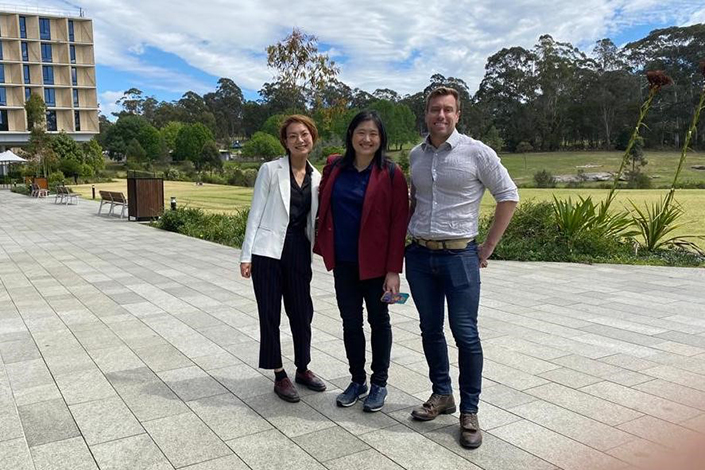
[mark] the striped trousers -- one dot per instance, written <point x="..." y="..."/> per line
<point x="288" y="278"/>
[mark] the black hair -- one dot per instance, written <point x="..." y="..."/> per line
<point x="369" y="115"/>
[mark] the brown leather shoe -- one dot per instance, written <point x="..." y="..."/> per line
<point x="470" y="434"/>
<point x="309" y="379"/>
<point x="286" y="390"/>
<point x="434" y="406"/>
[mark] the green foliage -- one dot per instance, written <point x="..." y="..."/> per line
<point x="656" y="222"/>
<point x="524" y="147"/>
<point x="544" y="179"/>
<point x="398" y="120"/>
<point x="219" y="228"/>
<point x="152" y="142"/>
<point x="169" y="133"/>
<point x="493" y="139"/>
<point x="93" y="155"/>
<point x="190" y="141"/>
<point x="576" y="218"/>
<point x="210" y="157"/>
<point x="403" y="162"/>
<point x="638" y="180"/>
<point x="532" y="236"/>
<point x="36" y="111"/>
<point x="263" y="145"/>
<point x="272" y="124"/>
<point x="135" y="153"/>
<point x="127" y="128"/>
<point x="55" y="179"/>
<point x="71" y="167"/>
<point x="65" y="147"/>
<point x="22" y="189"/>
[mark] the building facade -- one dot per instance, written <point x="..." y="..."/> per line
<point x="52" y="56"/>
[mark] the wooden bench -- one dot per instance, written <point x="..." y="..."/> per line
<point x="113" y="198"/>
<point x="64" y="195"/>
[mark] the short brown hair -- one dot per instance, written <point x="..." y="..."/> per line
<point x="443" y="91"/>
<point x="301" y="119"/>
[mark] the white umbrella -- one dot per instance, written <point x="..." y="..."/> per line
<point x="9" y="156"/>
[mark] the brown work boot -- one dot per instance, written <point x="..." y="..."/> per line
<point x="470" y="434"/>
<point x="309" y="379"/>
<point x="434" y="406"/>
<point x="286" y="390"/>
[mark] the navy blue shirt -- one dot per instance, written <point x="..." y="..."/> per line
<point x="347" y="199"/>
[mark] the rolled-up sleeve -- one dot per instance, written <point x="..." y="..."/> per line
<point x="495" y="177"/>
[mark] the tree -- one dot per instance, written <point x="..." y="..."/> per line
<point x="272" y="124"/>
<point x="262" y="145"/>
<point x="281" y="98"/>
<point x="66" y="148"/>
<point x="169" y="133"/>
<point x="254" y="115"/>
<point x="299" y="65"/>
<point x="195" y="110"/>
<point x="210" y="157"/>
<point x="131" y="102"/>
<point x="399" y="121"/>
<point x="190" y="141"/>
<point x="128" y="127"/>
<point x="36" y="111"/>
<point x="134" y="152"/>
<point x="93" y="154"/>
<point x="226" y="105"/>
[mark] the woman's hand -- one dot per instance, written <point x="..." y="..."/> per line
<point x="391" y="283"/>
<point x="246" y="270"/>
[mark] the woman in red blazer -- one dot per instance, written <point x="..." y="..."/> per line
<point x="362" y="219"/>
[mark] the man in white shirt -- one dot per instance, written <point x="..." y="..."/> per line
<point x="449" y="174"/>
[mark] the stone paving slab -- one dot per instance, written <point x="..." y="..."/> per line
<point x="126" y="347"/>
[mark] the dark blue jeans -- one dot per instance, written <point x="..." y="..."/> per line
<point x="453" y="275"/>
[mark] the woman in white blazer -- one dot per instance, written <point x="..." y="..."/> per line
<point x="276" y="253"/>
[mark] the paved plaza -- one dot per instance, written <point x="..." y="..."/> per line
<point x="127" y="347"/>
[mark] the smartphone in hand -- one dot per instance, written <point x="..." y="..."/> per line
<point x="389" y="298"/>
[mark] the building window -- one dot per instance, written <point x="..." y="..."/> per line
<point x="50" y="97"/>
<point x="72" y="38"/>
<point x="74" y="76"/>
<point x="1" y="57"/>
<point x="23" y="27"/>
<point x="77" y="120"/>
<point x="51" y="121"/>
<point x="72" y="52"/>
<point x="44" y="28"/>
<point x="2" y="73"/>
<point x="27" y="93"/>
<point x="3" y="121"/>
<point x="27" y="78"/>
<point x="25" y="52"/>
<point x="48" y="74"/>
<point x="3" y="96"/>
<point x="75" y="97"/>
<point x="46" y="52"/>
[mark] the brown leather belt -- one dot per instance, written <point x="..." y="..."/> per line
<point x="455" y="244"/>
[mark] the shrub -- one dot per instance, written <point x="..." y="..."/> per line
<point x="21" y="189"/>
<point x="55" y="179"/>
<point x="262" y="145"/>
<point x="524" y="147"/>
<point x="544" y="179"/>
<point x="226" y="229"/>
<point x="250" y="176"/>
<point x="638" y="180"/>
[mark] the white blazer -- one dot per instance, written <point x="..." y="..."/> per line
<point x="269" y="213"/>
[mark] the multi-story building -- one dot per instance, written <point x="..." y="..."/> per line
<point x="51" y="55"/>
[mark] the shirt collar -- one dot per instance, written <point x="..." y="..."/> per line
<point x="451" y="141"/>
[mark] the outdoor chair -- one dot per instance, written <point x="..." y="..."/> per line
<point x="114" y="198"/>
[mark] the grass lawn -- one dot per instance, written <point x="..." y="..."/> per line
<point x="212" y="197"/>
<point x="522" y="167"/>
<point x="219" y="198"/>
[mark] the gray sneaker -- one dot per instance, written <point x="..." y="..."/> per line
<point x="351" y="394"/>
<point x="375" y="400"/>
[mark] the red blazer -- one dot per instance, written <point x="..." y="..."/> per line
<point x="385" y="211"/>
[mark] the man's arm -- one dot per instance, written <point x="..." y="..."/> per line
<point x="502" y="216"/>
<point x="412" y="202"/>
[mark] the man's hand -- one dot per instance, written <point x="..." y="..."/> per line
<point x="484" y="251"/>
<point x="391" y="283"/>
<point x="246" y="270"/>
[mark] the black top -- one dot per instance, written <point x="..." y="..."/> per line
<point x="300" y="203"/>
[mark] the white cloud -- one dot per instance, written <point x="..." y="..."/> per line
<point x="106" y="101"/>
<point x="397" y="44"/>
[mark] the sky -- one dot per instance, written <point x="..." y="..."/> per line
<point x="168" y="47"/>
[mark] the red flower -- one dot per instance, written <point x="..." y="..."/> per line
<point x="658" y="79"/>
